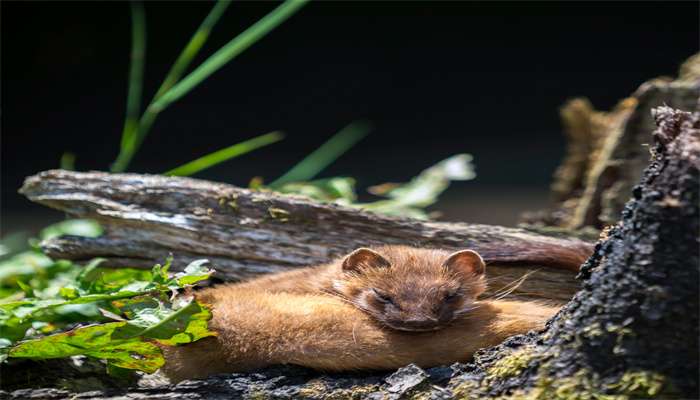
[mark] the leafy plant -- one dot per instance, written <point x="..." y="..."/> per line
<point x="137" y="300"/>
<point x="403" y="199"/>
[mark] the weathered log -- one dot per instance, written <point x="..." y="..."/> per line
<point x="632" y="332"/>
<point x="245" y="232"/>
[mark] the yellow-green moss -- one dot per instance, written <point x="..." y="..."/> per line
<point x="593" y="330"/>
<point x="586" y="385"/>
<point x="514" y="363"/>
<point x="229" y="201"/>
<point x="468" y="391"/>
<point x="583" y="385"/>
<point x="280" y="215"/>
<point x="418" y="392"/>
<point x="638" y="384"/>
<point x="318" y="390"/>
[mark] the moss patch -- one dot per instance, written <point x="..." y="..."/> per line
<point x="318" y="390"/>
<point x="514" y="363"/>
<point x="587" y="385"/>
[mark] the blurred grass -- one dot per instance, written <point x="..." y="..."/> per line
<point x="324" y="155"/>
<point x="226" y="154"/>
<point x="172" y="88"/>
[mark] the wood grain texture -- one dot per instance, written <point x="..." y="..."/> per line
<point x="245" y="232"/>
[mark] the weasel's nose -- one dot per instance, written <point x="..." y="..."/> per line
<point x="421" y="323"/>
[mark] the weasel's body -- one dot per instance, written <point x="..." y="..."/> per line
<point x="374" y="309"/>
<point x="258" y="329"/>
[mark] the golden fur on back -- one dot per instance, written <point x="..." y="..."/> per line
<point x="258" y="329"/>
<point x="355" y="313"/>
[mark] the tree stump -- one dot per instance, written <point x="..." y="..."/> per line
<point x="607" y="152"/>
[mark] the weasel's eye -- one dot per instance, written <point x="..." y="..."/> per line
<point x="382" y="298"/>
<point x="452" y="297"/>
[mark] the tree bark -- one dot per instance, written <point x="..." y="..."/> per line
<point x="245" y="232"/>
<point x="633" y="330"/>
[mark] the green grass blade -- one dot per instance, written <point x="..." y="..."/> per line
<point x="227" y="53"/>
<point x="208" y="67"/>
<point x="138" y="62"/>
<point x="139" y="128"/>
<point x="192" y="48"/>
<point x="68" y="161"/>
<point x="325" y="154"/>
<point x="226" y="154"/>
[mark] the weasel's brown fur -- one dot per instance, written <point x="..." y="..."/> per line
<point x="258" y="329"/>
<point x="376" y="296"/>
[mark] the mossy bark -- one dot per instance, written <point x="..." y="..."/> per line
<point x="632" y="332"/>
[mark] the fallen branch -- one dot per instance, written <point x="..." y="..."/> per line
<point x="245" y="232"/>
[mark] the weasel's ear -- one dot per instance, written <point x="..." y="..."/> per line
<point x="363" y="259"/>
<point x="467" y="261"/>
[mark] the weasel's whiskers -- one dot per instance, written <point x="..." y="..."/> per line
<point x="506" y="290"/>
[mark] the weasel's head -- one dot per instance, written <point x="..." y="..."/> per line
<point x="412" y="289"/>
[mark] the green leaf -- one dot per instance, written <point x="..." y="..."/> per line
<point x="13" y="328"/>
<point x="338" y="190"/>
<point x="28" y="263"/>
<point x="67" y="161"/>
<point x="69" y="294"/>
<point x="121" y="373"/>
<point x="95" y="341"/>
<point x="194" y="272"/>
<point x="182" y="321"/>
<point x="192" y="48"/>
<point x="132" y="354"/>
<point x="423" y="190"/>
<point x="136" y="72"/>
<point x="76" y="227"/>
<point x="78" y="341"/>
<point x="87" y="276"/>
<point x="111" y="315"/>
<point x="154" y="316"/>
<point x="25" y="288"/>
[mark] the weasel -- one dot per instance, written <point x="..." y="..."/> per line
<point x="404" y="288"/>
<point x="380" y="308"/>
<point x="257" y="329"/>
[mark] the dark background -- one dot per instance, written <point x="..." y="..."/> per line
<point x="435" y="79"/>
